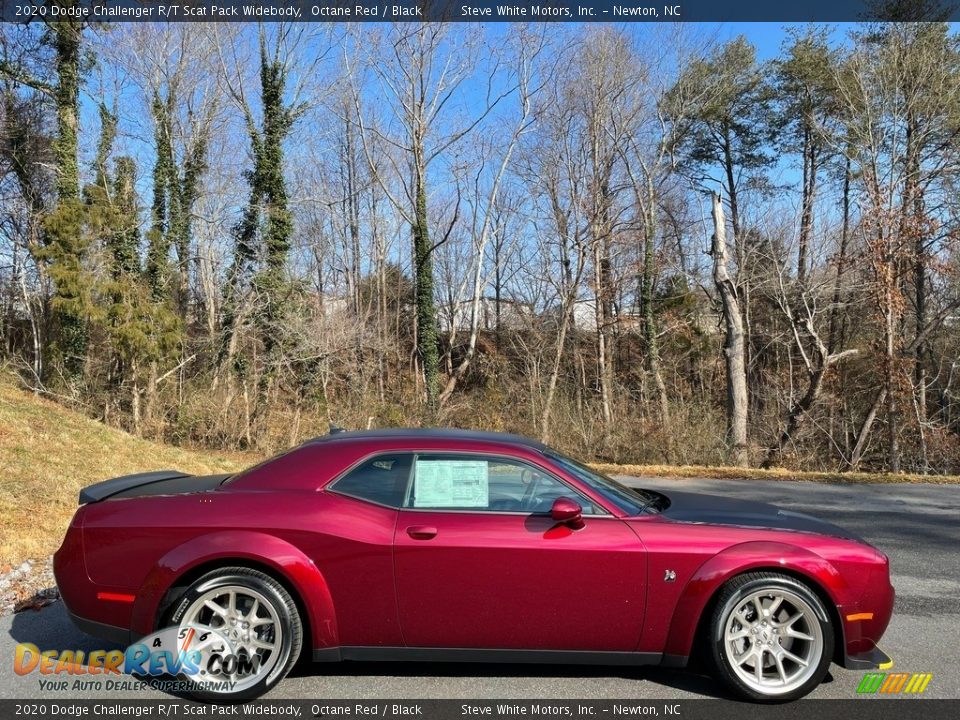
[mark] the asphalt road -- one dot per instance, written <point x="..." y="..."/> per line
<point x="918" y="526"/>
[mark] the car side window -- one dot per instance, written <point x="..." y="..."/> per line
<point x="482" y="484"/>
<point x="381" y="479"/>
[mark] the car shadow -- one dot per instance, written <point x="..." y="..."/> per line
<point x="51" y="628"/>
<point x="678" y="679"/>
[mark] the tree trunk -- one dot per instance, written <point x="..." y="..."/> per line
<point x="920" y="301"/>
<point x="67" y="38"/>
<point x="603" y="362"/>
<point x="555" y="372"/>
<point x="835" y="338"/>
<point x="893" y="409"/>
<point x="734" y="346"/>
<point x="730" y="171"/>
<point x="809" y="191"/>
<point x="649" y="319"/>
<point x="71" y="320"/>
<point x="865" y="428"/>
<point x="135" y="399"/>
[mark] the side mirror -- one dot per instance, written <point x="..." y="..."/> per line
<point x="568" y="512"/>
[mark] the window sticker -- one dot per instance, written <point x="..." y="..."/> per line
<point x="451" y="484"/>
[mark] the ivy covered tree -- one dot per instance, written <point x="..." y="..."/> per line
<point x="158" y="238"/>
<point x="263" y="235"/>
<point x="176" y="189"/>
<point x="62" y="248"/>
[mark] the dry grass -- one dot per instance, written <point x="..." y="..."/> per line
<point x="47" y="453"/>
<point x="736" y="473"/>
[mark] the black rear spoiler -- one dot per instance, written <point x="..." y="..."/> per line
<point x="160" y="482"/>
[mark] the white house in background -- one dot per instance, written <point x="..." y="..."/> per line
<point x="332" y="305"/>
<point x="708" y="320"/>
<point x="585" y="316"/>
<point x="513" y="314"/>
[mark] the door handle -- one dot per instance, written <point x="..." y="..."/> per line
<point x="421" y="532"/>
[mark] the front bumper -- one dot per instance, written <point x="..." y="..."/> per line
<point x="870" y="660"/>
<point x="864" y="624"/>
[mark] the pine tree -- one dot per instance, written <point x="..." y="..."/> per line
<point x="808" y="110"/>
<point x="729" y="132"/>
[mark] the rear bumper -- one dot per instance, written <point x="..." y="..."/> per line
<point x="98" y="610"/>
<point x="118" y="635"/>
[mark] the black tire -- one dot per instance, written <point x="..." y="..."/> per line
<point x="285" y="620"/>
<point x="770" y="636"/>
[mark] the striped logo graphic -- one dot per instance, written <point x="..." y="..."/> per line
<point x="894" y="683"/>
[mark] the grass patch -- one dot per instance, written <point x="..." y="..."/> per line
<point x="47" y="453"/>
<point x="737" y="473"/>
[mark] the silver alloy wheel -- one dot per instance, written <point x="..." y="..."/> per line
<point x="249" y="624"/>
<point x="773" y="641"/>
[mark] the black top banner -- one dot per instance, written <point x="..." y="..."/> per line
<point x="22" y="11"/>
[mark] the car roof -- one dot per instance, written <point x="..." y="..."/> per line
<point x="418" y="434"/>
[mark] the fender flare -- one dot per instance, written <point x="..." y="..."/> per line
<point x="736" y="560"/>
<point x="286" y="561"/>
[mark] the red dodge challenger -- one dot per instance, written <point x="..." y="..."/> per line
<point x="451" y="545"/>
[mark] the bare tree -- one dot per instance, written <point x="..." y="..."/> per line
<point x="419" y="71"/>
<point x="734" y="347"/>
<point x="526" y="84"/>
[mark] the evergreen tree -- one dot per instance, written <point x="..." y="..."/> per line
<point x="806" y="88"/>
<point x="729" y="130"/>
<point x="141" y="330"/>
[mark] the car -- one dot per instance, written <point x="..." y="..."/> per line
<point x="451" y="545"/>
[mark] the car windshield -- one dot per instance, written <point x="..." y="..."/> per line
<point x="629" y="500"/>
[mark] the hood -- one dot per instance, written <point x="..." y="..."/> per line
<point x="718" y="510"/>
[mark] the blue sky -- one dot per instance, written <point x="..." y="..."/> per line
<point x="766" y="37"/>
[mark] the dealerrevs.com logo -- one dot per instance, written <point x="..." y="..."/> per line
<point x="894" y="683"/>
<point x="203" y="659"/>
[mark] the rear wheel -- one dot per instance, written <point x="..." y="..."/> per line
<point x="771" y="638"/>
<point x="245" y="630"/>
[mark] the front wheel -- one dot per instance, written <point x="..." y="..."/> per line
<point x="771" y="637"/>
<point x="244" y="631"/>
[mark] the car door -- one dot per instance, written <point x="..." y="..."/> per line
<point x="481" y="564"/>
<point x="352" y="546"/>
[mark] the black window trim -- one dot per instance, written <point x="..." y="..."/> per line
<point x="331" y="486"/>
<point x="576" y="494"/>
